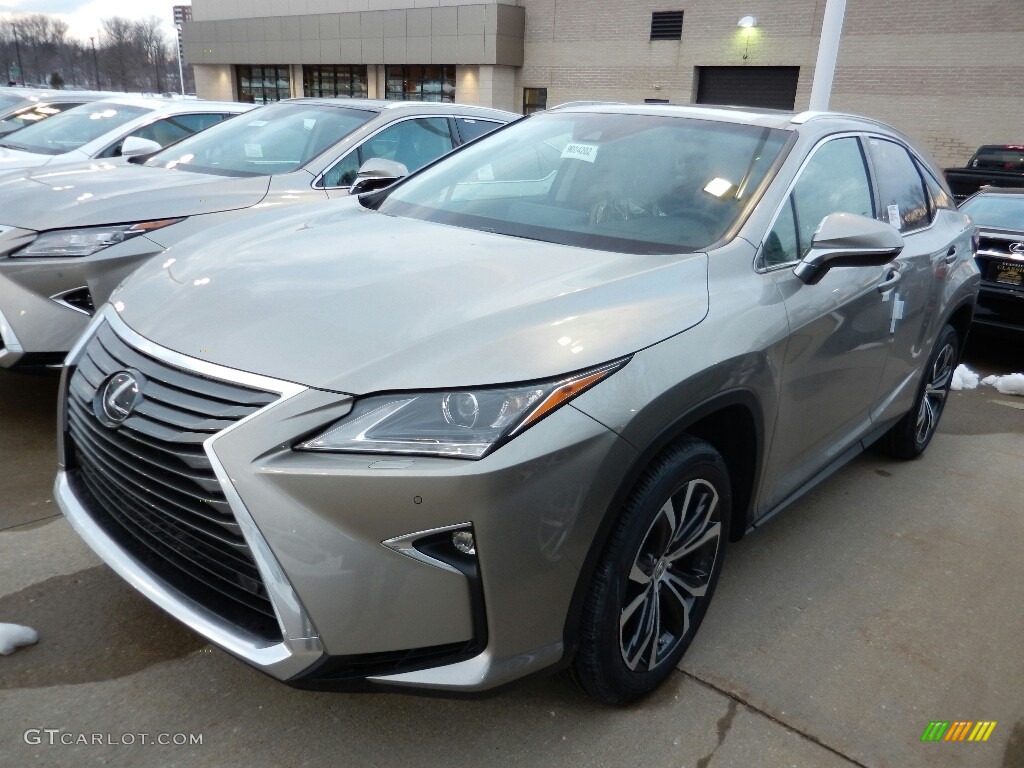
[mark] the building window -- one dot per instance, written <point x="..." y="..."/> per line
<point x="534" y="100"/>
<point x="262" y="84"/>
<point x="420" y="83"/>
<point x="331" y="82"/>
<point x="667" y="25"/>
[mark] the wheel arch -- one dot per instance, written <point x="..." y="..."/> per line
<point x="732" y="422"/>
<point x="961" y="318"/>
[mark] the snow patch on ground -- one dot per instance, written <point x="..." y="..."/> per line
<point x="964" y="378"/>
<point x="1011" y="384"/>
<point x="12" y="636"/>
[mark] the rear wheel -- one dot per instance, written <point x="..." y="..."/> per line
<point x="911" y="434"/>
<point x="657" y="575"/>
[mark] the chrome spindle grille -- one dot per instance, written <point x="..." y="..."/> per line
<point x="149" y="483"/>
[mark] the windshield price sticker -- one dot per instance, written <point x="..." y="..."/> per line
<point x="894" y="216"/>
<point x="586" y="152"/>
<point x="254" y="150"/>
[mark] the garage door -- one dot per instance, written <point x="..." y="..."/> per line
<point x="769" y="87"/>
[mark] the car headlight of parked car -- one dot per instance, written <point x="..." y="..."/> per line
<point x="464" y="423"/>
<point x="88" y="240"/>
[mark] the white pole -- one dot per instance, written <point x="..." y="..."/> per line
<point x="828" y="52"/>
<point x="181" y="75"/>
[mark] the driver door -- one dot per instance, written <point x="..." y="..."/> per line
<point x="839" y="328"/>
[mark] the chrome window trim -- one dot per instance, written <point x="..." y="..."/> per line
<point x="759" y="265"/>
<point x="301" y="645"/>
<point x="456" y="142"/>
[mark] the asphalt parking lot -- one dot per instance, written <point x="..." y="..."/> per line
<point x="887" y="598"/>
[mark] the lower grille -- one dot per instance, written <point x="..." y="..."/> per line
<point x="150" y="485"/>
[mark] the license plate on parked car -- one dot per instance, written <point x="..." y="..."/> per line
<point x="1004" y="272"/>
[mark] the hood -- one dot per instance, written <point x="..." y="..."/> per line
<point x="338" y="297"/>
<point x="15" y="159"/>
<point x="89" y="194"/>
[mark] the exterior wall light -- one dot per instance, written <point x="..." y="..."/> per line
<point x="747" y="22"/>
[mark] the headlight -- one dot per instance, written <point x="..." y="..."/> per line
<point x="463" y="423"/>
<point x="87" y="241"/>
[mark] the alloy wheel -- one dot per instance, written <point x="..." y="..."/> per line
<point x="940" y="375"/>
<point x="671" y="572"/>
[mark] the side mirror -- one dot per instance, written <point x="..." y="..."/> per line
<point x="848" y="240"/>
<point x="377" y="173"/>
<point x="135" y="146"/>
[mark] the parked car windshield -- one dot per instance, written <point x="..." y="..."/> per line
<point x="997" y="211"/>
<point x="30" y="116"/>
<point x="72" y="129"/>
<point x="627" y="183"/>
<point x="278" y="138"/>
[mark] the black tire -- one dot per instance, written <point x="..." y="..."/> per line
<point x="614" y="661"/>
<point x="911" y="434"/>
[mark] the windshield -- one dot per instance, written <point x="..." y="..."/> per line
<point x="627" y="183"/>
<point x="997" y="211"/>
<point x="74" y="128"/>
<point x="30" y="115"/>
<point x="278" y="138"/>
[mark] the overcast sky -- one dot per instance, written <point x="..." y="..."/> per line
<point x="83" y="16"/>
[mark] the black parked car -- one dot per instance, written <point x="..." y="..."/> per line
<point x="999" y="227"/>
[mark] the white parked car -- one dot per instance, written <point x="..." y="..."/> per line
<point x="100" y="129"/>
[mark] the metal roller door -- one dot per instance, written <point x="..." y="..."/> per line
<point x="768" y="87"/>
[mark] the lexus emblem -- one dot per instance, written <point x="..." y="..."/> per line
<point x="116" y="399"/>
<point x="1017" y="248"/>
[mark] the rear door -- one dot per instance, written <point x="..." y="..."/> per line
<point x="930" y="232"/>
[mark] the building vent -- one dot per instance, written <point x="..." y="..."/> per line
<point x="667" y="25"/>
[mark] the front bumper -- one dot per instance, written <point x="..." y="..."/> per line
<point x="322" y="528"/>
<point x="32" y="291"/>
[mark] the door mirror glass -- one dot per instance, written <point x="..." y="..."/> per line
<point x="848" y="240"/>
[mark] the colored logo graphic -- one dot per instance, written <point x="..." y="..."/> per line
<point x="958" y="730"/>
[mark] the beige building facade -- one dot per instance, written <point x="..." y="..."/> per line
<point x="944" y="72"/>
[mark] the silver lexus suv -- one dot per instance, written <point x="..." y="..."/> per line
<point x="504" y="416"/>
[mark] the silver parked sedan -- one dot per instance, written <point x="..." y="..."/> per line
<point x="72" y="236"/>
<point x="98" y="130"/>
<point x="504" y="416"/>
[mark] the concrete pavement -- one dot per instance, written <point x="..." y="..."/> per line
<point x="889" y="597"/>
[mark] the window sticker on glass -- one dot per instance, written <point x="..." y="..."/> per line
<point x="577" y="151"/>
<point x="309" y="123"/>
<point x="485" y="173"/>
<point x="254" y="150"/>
<point x="894" y="215"/>
<point x="257" y="123"/>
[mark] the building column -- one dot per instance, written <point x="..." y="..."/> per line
<point x="497" y="87"/>
<point x="295" y="76"/>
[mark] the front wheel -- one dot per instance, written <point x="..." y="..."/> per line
<point x="657" y="575"/>
<point x="911" y="434"/>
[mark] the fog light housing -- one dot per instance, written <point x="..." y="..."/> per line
<point x="464" y="542"/>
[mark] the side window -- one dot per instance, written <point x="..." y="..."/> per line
<point x="938" y="197"/>
<point x="900" y="188"/>
<point x="163" y="132"/>
<point x="835" y="180"/>
<point x="472" y="128"/>
<point x="413" y="143"/>
<point x="199" y="121"/>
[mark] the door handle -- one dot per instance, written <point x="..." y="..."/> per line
<point x="892" y="277"/>
<point x="951" y="254"/>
